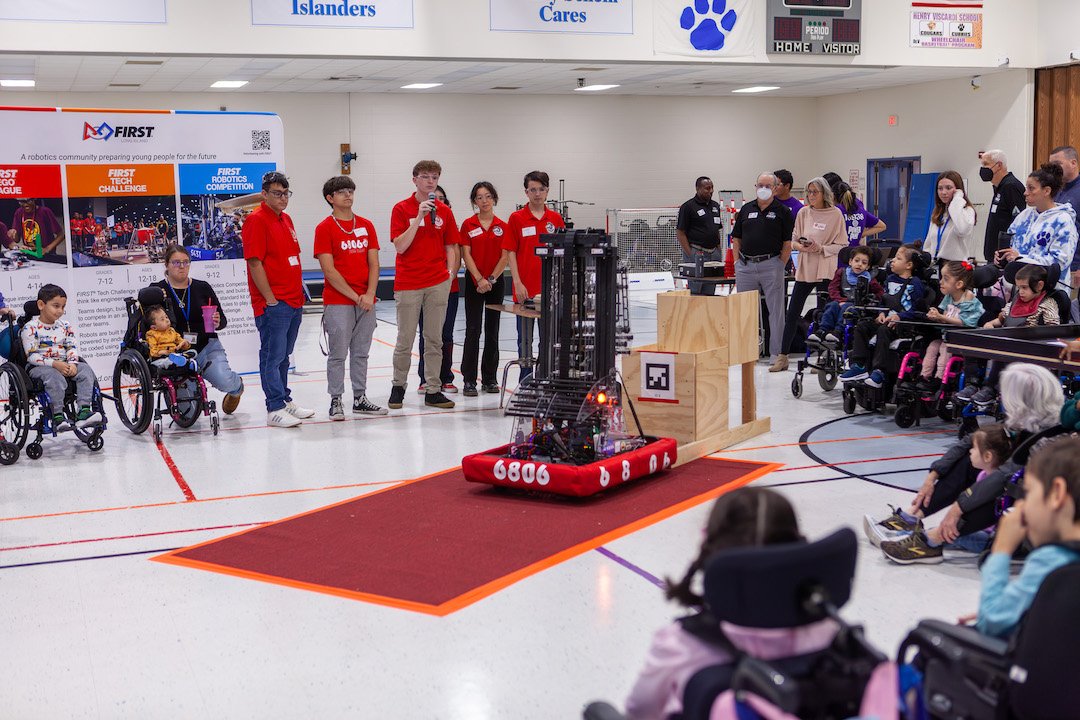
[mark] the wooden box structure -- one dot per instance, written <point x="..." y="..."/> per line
<point x="684" y="389"/>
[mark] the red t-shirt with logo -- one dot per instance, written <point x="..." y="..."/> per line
<point x="484" y="245"/>
<point x="424" y="263"/>
<point x="272" y="238"/>
<point x="348" y="242"/>
<point x="76" y="226"/>
<point x="522" y="237"/>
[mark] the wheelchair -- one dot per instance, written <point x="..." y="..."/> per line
<point x="832" y="357"/>
<point x="14" y="406"/>
<point x="782" y="586"/>
<point x="144" y="392"/>
<point x="32" y="421"/>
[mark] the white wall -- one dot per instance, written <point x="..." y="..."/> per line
<point x="459" y="29"/>
<point x="947" y="123"/>
<point x="1057" y="32"/>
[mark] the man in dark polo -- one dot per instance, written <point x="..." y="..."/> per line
<point x="699" y="228"/>
<point x="1008" y="199"/>
<point x="761" y="244"/>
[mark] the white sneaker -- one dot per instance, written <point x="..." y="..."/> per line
<point x="877" y="534"/>
<point x="299" y="412"/>
<point x="94" y="419"/>
<point x="281" y="418"/>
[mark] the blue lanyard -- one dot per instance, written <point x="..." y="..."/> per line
<point x="184" y="307"/>
<point x="940" y="231"/>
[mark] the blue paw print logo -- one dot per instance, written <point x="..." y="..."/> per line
<point x="1043" y="238"/>
<point x="705" y="33"/>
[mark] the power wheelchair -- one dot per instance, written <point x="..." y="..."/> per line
<point x="144" y="392"/>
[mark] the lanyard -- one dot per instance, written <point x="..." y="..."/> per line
<point x="185" y="307"/>
<point x="940" y="231"/>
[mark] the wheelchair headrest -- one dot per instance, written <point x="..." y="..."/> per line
<point x="986" y="276"/>
<point x="30" y="309"/>
<point x="1053" y="274"/>
<point x="767" y="586"/>
<point x="876" y="255"/>
<point x="153" y="295"/>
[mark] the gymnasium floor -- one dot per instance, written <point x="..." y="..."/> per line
<point x="92" y="628"/>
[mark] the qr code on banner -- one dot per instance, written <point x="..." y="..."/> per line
<point x="260" y="139"/>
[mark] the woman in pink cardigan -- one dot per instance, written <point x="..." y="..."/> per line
<point x="819" y="236"/>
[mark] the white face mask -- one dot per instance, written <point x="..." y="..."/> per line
<point x="764" y="193"/>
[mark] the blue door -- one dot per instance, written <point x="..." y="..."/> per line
<point x="888" y="187"/>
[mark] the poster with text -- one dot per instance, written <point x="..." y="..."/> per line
<point x="111" y="178"/>
<point x="214" y="200"/>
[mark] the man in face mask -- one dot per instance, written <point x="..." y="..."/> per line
<point x="1008" y="199"/>
<point x="761" y="244"/>
<point x="1066" y="156"/>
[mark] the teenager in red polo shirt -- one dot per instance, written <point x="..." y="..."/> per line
<point x="526" y="227"/>
<point x="426" y="258"/>
<point x="446" y="375"/>
<point x="276" y="285"/>
<point x="348" y="252"/>
<point x="76" y="231"/>
<point x="482" y="237"/>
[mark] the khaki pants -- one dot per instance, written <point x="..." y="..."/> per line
<point x="432" y="300"/>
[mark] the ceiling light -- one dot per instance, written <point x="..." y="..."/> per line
<point x="421" y="86"/>
<point x="594" y="88"/>
<point x="16" y="83"/>
<point x="757" y="89"/>
<point x="229" y="84"/>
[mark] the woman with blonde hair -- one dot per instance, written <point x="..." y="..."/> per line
<point x="952" y="223"/>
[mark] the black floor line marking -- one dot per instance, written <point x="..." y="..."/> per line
<point x="88" y="557"/>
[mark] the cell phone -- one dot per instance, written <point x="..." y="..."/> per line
<point x="804" y="242"/>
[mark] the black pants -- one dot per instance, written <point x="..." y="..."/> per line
<point x="799" y="293"/>
<point x="478" y="318"/>
<point x="883" y="358"/>
<point x="948" y="490"/>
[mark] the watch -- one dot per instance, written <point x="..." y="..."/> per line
<point x="491" y="279"/>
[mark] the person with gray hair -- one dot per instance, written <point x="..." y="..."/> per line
<point x="761" y="246"/>
<point x="1032" y="398"/>
<point x="1008" y="201"/>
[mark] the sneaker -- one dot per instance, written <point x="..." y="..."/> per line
<point x="437" y="399"/>
<point x="470" y="390"/>
<point x="59" y="422"/>
<point x="231" y="400"/>
<point x="815" y="338"/>
<point x="965" y="394"/>
<point x="985" y="397"/>
<point x="297" y="411"/>
<point x="337" y="412"/>
<point x="876" y="379"/>
<point x="363" y="406"/>
<point x="88" y="418"/>
<point x="831" y="339"/>
<point x="397" y="396"/>
<point x="282" y="418"/>
<point x="913" y="549"/>
<point x="854" y="374"/>
<point x="897" y="522"/>
<point x="490" y="387"/>
<point x="878" y="531"/>
<point x="927" y="386"/>
<point x="449" y="387"/>
<point x="422" y="390"/>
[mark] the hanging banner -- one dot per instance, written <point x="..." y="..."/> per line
<point x="611" y="17"/>
<point x="333" y="13"/>
<point x="946" y="25"/>
<point x="101" y="11"/>
<point x="90" y="199"/>
<point x="721" y="28"/>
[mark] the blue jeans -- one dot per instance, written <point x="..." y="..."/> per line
<point x="831" y="317"/>
<point x="278" y="327"/>
<point x="214" y="367"/>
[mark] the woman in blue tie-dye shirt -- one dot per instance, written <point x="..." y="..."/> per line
<point x="1045" y="232"/>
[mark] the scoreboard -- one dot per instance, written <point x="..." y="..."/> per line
<point x="815" y="27"/>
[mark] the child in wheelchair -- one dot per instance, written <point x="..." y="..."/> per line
<point x="842" y="292"/>
<point x="53" y="359"/>
<point x="959" y="306"/>
<point x="167" y="347"/>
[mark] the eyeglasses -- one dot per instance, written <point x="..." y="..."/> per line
<point x="280" y="193"/>
<point x="179" y="263"/>
<point x="812" y="192"/>
<point x="482" y="197"/>
<point x="432" y="178"/>
<point x="536" y="191"/>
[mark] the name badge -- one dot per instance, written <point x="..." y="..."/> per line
<point x="819" y="226"/>
<point x="717" y="220"/>
<point x="751" y="216"/>
<point x="294" y="259"/>
<point x="528" y="231"/>
<point x="993" y="208"/>
<point x="700" y="213"/>
<point x="360" y="232"/>
<point x="191" y="337"/>
<point x="477" y="232"/>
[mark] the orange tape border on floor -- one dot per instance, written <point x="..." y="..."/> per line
<point x="483" y="591"/>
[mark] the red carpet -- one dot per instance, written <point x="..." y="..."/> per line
<point x="438" y="543"/>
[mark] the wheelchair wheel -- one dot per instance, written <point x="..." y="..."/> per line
<point x="796" y="386"/>
<point x="132" y="391"/>
<point x="189" y="403"/>
<point x="34" y="451"/>
<point x="827" y="377"/>
<point x="95" y="443"/>
<point x="9" y="453"/>
<point x="14" y="405"/>
<point x="905" y="416"/>
<point x="849" y="401"/>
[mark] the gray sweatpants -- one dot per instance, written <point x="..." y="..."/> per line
<point x="56" y="385"/>
<point x="348" y="331"/>
<point x="767" y="277"/>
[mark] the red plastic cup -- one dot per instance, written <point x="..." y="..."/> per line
<point x="208" y="317"/>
